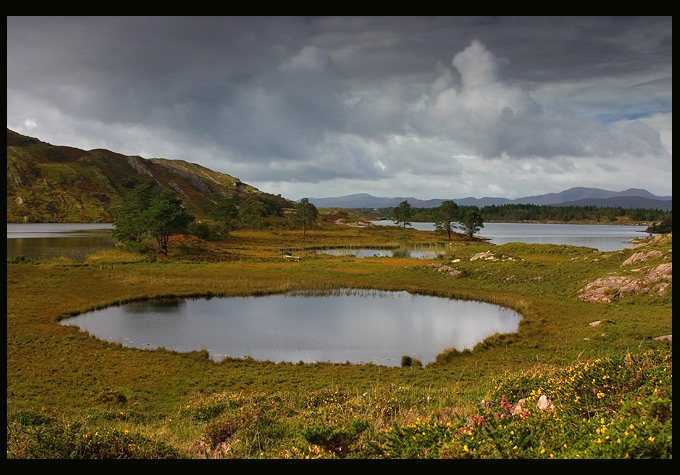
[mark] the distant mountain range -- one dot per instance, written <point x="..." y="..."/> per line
<point x="578" y="196"/>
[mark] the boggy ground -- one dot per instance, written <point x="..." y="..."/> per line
<point x="72" y="395"/>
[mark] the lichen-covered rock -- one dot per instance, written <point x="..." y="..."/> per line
<point x="641" y="257"/>
<point x="605" y="289"/>
<point x="486" y="255"/>
<point x="545" y="404"/>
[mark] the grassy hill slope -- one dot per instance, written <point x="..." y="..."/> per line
<point x="48" y="183"/>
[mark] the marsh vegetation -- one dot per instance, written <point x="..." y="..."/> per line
<point x="608" y="385"/>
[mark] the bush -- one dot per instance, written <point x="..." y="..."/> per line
<point x="220" y="431"/>
<point x="52" y="439"/>
<point x="407" y="361"/>
<point x="19" y="260"/>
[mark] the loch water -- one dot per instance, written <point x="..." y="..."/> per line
<point x="355" y="326"/>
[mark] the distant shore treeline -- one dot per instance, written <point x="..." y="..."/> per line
<point x="530" y="212"/>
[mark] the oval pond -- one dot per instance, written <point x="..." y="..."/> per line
<point x="355" y="326"/>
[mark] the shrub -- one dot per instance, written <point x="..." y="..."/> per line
<point x="407" y="361"/>
<point x="219" y="431"/>
<point x="59" y="440"/>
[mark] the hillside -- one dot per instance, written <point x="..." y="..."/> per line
<point x="48" y="183"/>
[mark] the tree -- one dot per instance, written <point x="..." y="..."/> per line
<point x="402" y="214"/>
<point x="142" y="216"/>
<point x="665" y="226"/>
<point x="472" y="222"/>
<point x="165" y="217"/>
<point x="446" y="214"/>
<point x="226" y="211"/>
<point x="305" y="214"/>
<point x="129" y="225"/>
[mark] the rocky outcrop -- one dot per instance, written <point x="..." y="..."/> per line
<point x="450" y="271"/>
<point x="648" y="278"/>
<point x="487" y="256"/>
<point x="641" y="257"/>
<point x="606" y="289"/>
<point x="490" y="256"/>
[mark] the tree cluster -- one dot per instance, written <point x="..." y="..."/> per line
<point x="531" y="212"/>
<point x="444" y="217"/>
<point x="147" y="213"/>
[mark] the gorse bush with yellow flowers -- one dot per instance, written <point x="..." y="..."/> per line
<point x="618" y="407"/>
<point x="34" y="437"/>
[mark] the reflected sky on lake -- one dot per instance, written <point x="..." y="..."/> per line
<point x="359" y="327"/>
<point x="603" y="237"/>
<point x="53" y="240"/>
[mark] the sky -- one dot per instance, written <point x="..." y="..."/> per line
<point x="424" y="107"/>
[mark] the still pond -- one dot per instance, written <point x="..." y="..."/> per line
<point x="355" y="326"/>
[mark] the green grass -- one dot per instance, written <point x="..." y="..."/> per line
<point x="70" y="395"/>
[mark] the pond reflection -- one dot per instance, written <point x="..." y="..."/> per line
<point x="356" y="326"/>
<point x="433" y="251"/>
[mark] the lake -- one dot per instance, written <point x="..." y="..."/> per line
<point x="75" y="241"/>
<point x="603" y="237"/>
<point x="51" y="240"/>
<point x="356" y="326"/>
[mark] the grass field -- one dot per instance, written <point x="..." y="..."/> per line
<point x="599" y="364"/>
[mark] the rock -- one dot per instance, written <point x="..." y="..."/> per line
<point x="605" y="289"/>
<point x="641" y="257"/>
<point x="450" y="271"/>
<point x="487" y="255"/>
<point x="517" y="408"/>
<point x="661" y="271"/>
<point x="545" y="404"/>
<point x="661" y="238"/>
<point x="664" y="337"/>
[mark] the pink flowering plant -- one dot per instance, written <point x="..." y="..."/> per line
<point x="619" y="407"/>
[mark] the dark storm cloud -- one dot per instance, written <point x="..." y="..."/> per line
<point x="304" y="100"/>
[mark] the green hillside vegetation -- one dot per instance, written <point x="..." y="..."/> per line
<point x="48" y="183"/>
